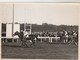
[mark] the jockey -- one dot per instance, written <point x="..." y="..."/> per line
<point x="65" y="36"/>
<point x="21" y="34"/>
<point x="35" y="39"/>
<point x="25" y="33"/>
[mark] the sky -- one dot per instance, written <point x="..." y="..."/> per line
<point x="39" y="0"/>
<point x="38" y="13"/>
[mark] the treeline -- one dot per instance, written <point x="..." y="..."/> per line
<point x="53" y="28"/>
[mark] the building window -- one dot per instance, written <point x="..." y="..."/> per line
<point x="22" y="27"/>
<point x="3" y="30"/>
<point x="27" y="27"/>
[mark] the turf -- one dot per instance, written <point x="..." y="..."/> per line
<point x="41" y="51"/>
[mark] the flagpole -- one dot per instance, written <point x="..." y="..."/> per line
<point x="13" y="21"/>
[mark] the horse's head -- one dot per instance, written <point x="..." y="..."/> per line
<point x="16" y="33"/>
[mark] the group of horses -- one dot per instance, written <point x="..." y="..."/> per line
<point x="71" y="38"/>
<point x="26" y="40"/>
<point x="30" y="40"/>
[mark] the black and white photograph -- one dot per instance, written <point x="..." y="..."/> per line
<point x="39" y="30"/>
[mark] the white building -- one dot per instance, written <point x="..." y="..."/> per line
<point x="7" y="30"/>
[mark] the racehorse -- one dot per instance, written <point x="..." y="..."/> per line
<point x="70" y="38"/>
<point x="73" y="39"/>
<point x="26" y="41"/>
<point x="63" y="37"/>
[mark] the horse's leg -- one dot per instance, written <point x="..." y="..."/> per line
<point x="33" y="44"/>
<point x="67" y="40"/>
<point x="30" y="45"/>
<point x="23" y="42"/>
<point x="60" y="39"/>
<point x="26" y="43"/>
<point x="70" y="41"/>
<point x="64" y="39"/>
<point x="75" y="41"/>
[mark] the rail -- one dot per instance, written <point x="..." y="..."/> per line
<point x="50" y="38"/>
<point x="41" y="38"/>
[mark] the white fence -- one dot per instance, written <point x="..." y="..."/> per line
<point x="50" y="38"/>
<point x="41" y="39"/>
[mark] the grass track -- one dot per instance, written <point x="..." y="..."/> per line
<point x="41" y="51"/>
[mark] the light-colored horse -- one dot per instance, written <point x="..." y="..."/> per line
<point x="65" y="38"/>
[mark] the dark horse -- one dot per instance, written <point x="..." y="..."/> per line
<point x="26" y="41"/>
